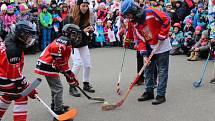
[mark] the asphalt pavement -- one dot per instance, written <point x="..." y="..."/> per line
<point x="184" y="103"/>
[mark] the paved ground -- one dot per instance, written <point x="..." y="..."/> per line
<point x="184" y="103"/>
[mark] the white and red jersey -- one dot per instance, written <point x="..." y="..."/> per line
<point x="153" y="25"/>
<point x="57" y="48"/>
<point x="10" y="68"/>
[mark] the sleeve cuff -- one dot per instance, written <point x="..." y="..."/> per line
<point x="161" y="37"/>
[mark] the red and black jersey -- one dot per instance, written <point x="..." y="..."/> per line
<point x="57" y="49"/>
<point x="11" y="64"/>
<point x="155" y="27"/>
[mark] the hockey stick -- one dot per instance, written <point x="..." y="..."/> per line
<point x="67" y="115"/>
<point x="25" y="92"/>
<point x="199" y="83"/>
<point x="108" y="106"/>
<point x="213" y="80"/>
<point x="119" y="79"/>
<point x="85" y="94"/>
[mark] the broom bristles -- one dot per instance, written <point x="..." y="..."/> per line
<point x="108" y="106"/>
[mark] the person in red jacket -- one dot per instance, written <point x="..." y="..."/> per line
<point x="148" y="29"/>
<point x="54" y="59"/>
<point x="11" y="64"/>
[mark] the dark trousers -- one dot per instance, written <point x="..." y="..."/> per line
<point x="140" y="65"/>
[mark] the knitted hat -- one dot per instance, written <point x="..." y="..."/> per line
<point x="189" y="21"/>
<point x="168" y="4"/>
<point x="102" y="4"/>
<point x="200" y="5"/>
<point x="10" y="7"/>
<point x="21" y="7"/>
<point x="44" y="6"/>
<point x="79" y="2"/>
<point x="198" y="28"/>
<point x="193" y="11"/>
<point x="205" y="33"/>
<point x="3" y="7"/>
<point x="99" y="21"/>
<point x="109" y="21"/>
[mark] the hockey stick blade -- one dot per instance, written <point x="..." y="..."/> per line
<point x="71" y="114"/>
<point x="91" y="98"/>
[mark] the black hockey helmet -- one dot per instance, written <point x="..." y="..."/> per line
<point x="25" y="32"/>
<point x="73" y="33"/>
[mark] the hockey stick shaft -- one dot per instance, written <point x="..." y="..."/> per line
<point x="47" y="107"/>
<point x="31" y="87"/>
<point x="120" y="73"/>
<point x="136" y="78"/>
<point x="204" y="68"/>
<point x="85" y="94"/>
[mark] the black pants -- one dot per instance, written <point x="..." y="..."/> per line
<point x="140" y="63"/>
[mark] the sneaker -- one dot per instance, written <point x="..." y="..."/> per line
<point x="87" y="87"/>
<point x="74" y="92"/>
<point x="159" y="100"/>
<point x="146" y="96"/>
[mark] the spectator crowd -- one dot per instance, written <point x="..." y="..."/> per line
<point x="190" y="32"/>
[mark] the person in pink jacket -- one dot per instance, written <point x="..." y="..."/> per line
<point x="10" y="19"/>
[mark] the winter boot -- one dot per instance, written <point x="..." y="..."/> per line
<point x="191" y="56"/>
<point x="61" y="111"/>
<point x="74" y="92"/>
<point x="146" y="96"/>
<point x="87" y="87"/>
<point x="195" y="57"/>
<point x="159" y="100"/>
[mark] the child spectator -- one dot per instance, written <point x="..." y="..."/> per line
<point x="2" y="17"/>
<point x="188" y="27"/>
<point x="65" y="11"/>
<point x="177" y="40"/>
<point x="55" y="12"/>
<point x="201" y="48"/>
<point x="188" y="42"/>
<point x="99" y="30"/>
<point x="191" y="16"/>
<point x="35" y="21"/>
<point x="197" y="34"/>
<point x="111" y="35"/>
<point x="200" y="19"/>
<point x="23" y="12"/>
<point x="10" y="19"/>
<point x="46" y="24"/>
<point x="102" y="12"/>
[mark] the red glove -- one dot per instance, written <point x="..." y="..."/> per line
<point x="58" y="64"/>
<point x="32" y="94"/>
<point x="70" y="77"/>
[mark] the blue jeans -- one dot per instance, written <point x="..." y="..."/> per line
<point x="46" y="37"/>
<point x="161" y="61"/>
